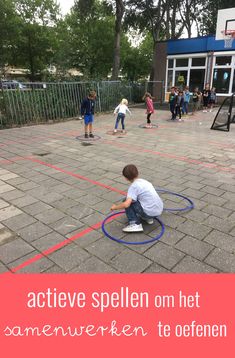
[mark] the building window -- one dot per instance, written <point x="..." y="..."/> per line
<point x="221" y="79"/>
<point x="170" y="63"/>
<point x="223" y="60"/>
<point x="196" y="79"/>
<point x="182" y="62"/>
<point x="169" y="80"/>
<point x="233" y="87"/>
<point x="181" y="79"/>
<point x="198" y="61"/>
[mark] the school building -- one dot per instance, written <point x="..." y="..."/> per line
<point x="195" y="62"/>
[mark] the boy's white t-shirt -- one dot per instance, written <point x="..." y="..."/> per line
<point x="122" y="108"/>
<point x="143" y="191"/>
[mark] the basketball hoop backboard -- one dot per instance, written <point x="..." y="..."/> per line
<point x="225" y="23"/>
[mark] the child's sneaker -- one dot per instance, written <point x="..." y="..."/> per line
<point x="123" y="131"/>
<point x="86" y="135"/>
<point x="133" y="228"/>
<point x="115" y="131"/>
<point x="148" y="221"/>
<point x="91" y="135"/>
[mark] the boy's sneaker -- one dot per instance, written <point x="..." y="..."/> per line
<point x="148" y="221"/>
<point x="91" y="135"/>
<point x="115" y="131"/>
<point x="86" y="135"/>
<point x="133" y="228"/>
<point x="123" y="131"/>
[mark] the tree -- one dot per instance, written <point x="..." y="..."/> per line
<point x="120" y="8"/>
<point x="88" y="46"/>
<point x="208" y="18"/>
<point x="37" y="34"/>
<point x="9" y="22"/>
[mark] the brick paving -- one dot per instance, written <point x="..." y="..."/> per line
<point x="55" y="192"/>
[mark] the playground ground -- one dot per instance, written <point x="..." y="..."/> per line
<point x="55" y="192"/>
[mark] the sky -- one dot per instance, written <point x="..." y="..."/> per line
<point x="65" y="5"/>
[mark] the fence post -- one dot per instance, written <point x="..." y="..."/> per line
<point x="98" y="93"/>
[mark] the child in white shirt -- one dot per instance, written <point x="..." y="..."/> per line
<point x="121" y="110"/>
<point x="142" y="201"/>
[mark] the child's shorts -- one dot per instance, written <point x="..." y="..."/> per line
<point x="88" y="119"/>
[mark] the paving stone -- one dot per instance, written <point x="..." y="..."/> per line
<point x="24" y="201"/>
<point x="34" y="231"/>
<point x="54" y="269"/>
<point x="93" y="218"/>
<point x="5" y="188"/>
<point x="69" y="257"/>
<point x="170" y="237"/>
<point x="105" y="249"/>
<point x="129" y="261"/>
<point x="194" y="247"/>
<point x="3" y="268"/>
<point x="155" y="268"/>
<point x="48" y="241"/>
<point x="172" y="220"/>
<point x="9" y="212"/>
<point x="8" y="176"/>
<point x="12" y="195"/>
<point x="66" y="225"/>
<point x="50" y="216"/>
<point x="191" y="265"/>
<point x="6" y="235"/>
<point x="3" y="204"/>
<point x="36" y="208"/>
<point x="194" y="229"/>
<point x="13" y="250"/>
<point x="195" y="215"/>
<point x="35" y="267"/>
<point x="93" y="264"/>
<point x="221" y="240"/>
<point x="224" y="225"/>
<point x="217" y="211"/>
<point x="86" y="239"/>
<point x="80" y="211"/>
<point x="19" y="221"/>
<point x="213" y="199"/>
<point x="164" y="255"/>
<point x="222" y="260"/>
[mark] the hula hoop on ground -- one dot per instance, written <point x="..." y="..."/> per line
<point x="83" y="139"/>
<point x="131" y="243"/>
<point x="144" y="125"/>
<point x="119" y="132"/>
<point x="188" y="207"/>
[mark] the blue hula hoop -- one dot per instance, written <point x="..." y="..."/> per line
<point x="131" y="243"/>
<point x="188" y="207"/>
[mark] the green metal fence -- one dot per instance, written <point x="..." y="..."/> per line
<point x="41" y="102"/>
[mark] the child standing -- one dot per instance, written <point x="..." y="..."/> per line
<point x="206" y="97"/>
<point x="87" y="110"/>
<point x="196" y="100"/>
<point x="212" y="99"/>
<point x="121" y="110"/>
<point x="142" y="201"/>
<point x="186" y="100"/>
<point x="179" y="104"/>
<point x="150" y="108"/>
<point x="172" y="103"/>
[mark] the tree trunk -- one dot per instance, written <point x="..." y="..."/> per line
<point x="117" y="41"/>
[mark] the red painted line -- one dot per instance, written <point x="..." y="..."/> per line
<point x="169" y="155"/>
<point x="76" y="175"/>
<point x="58" y="246"/>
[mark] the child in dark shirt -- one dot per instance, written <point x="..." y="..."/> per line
<point x="196" y="100"/>
<point x="179" y="104"/>
<point x="87" y="110"/>
<point x="206" y="97"/>
<point x="172" y="103"/>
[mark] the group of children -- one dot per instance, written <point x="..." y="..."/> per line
<point x="142" y="202"/>
<point x="179" y="100"/>
<point x="88" y="106"/>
